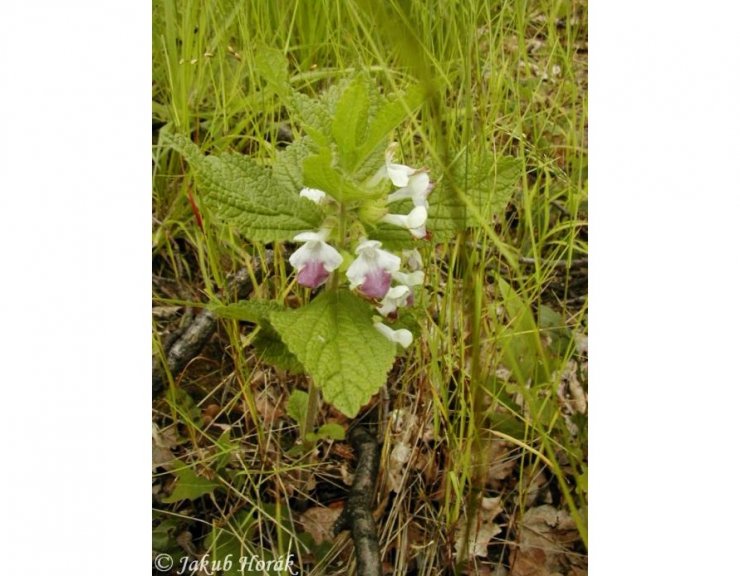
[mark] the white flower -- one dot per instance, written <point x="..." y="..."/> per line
<point x="413" y="259"/>
<point x="396" y="296"/>
<point x="313" y="194"/>
<point x="413" y="279"/>
<point x="371" y="270"/>
<point x="398" y="173"/>
<point x="315" y="260"/>
<point x="417" y="189"/>
<point x="413" y="221"/>
<point x="402" y="336"/>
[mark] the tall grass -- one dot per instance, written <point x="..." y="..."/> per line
<point x="507" y="77"/>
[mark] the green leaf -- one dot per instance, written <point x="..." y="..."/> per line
<point x="520" y="340"/>
<point x="484" y="185"/>
<point x="288" y="167"/>
<point x="243" y="193"/>
<point x="350" y="121"/>
<point x="314" y="115"/>
<point x="267" y="343"/>
<point x="189" y="485"/>
<point x="328" y="431"/>
<point x="272" y="65"/>
<point x="297" y="406"/>
<point x="271" y="349"/>
<point x="390" y="114"/>
<point x="228" y="541"/>
<point x="319" y="173"/>
<point x="334" y="339"/>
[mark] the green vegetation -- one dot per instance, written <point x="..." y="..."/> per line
<point x="483" y="419"/>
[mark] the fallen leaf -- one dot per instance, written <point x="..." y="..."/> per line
<point x="501" y="459"/>
<point x="542" y="549"/>
<point x="483" y="531"/>
<point x="400" y="455"/>
<point x="319" y="523"/>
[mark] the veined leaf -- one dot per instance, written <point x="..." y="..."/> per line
<point x="189" y="485"/>
<point x="318" y="172"/>
<point x="244" y="194"/>
<point x="486" y="186"/>
<point x="267" y="343"/>
<point x="334" y="339"/>
<point x="350" y="121"/>
<point x="389" y="115"/>
<point x="297" y="406"/>
<point x="287" y="171"/>
<point x="273" y="67"/>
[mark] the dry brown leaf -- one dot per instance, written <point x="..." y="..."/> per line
<point x="545" y="533"/>
<point x="501" y="459"/>
<point x="400" y="455"/>
<point x="484" y="529"/>
<point x="162" y="443"/>
<point x="268" y="408"/>
<point x="319" y="521"/>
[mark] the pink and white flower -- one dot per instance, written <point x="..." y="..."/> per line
<point x="371" y="271"/>
<point x="316" y="259"/>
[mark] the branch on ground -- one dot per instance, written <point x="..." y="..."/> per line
<point x="358" y="513"/>
<point x="197" y="334"/>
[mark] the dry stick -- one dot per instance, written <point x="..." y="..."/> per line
<point x="358" y="513"/>
<point x="199" y="332"/>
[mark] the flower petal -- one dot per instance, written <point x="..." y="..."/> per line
<point x="371" y="270"/>
<point x="402" y="336"/>
<point x="313" y="194"/>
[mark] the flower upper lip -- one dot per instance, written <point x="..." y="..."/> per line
<point x="316" y="259"/>
<point x="417" y="188"/>
<point x="414" y="221"/>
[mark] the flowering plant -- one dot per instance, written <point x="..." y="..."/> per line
<point x="338" y="193"/>
<point x="357" y="217"/>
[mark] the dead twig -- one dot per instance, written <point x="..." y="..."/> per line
<point x="358" y="513"/>
<point x="196" y="335"/>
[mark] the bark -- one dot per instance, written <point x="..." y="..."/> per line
<point x="197" y="334"/>
<point x="358" y="513"/>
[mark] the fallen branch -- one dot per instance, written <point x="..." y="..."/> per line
<point x="192" y="339"/>
<point x="358" y="513"/>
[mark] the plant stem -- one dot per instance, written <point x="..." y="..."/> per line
<point x="311" y="410"/>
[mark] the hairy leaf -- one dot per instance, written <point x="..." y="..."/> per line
<point x="287" y="170"/>
<point x="273" y="67"/>
<point x="267" y="343"/>
<point x="350" y="121"/>
<point x="389" y="115"/>
<point x="297" y="406"/>
<point x="334" y="339"/>
<point x="318" y="172"/>
<point x="484" y="186"/>
<point x="244" y="194"/>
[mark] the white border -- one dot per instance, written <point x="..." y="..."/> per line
<point x="75" y="236"/>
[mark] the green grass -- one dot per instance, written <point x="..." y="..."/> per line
<point x="507" y="77"/>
